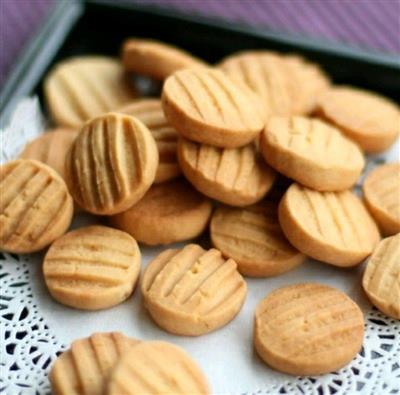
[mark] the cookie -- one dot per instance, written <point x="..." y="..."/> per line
<point x="382" y="196"/>
<point x="51" y="148"/>
<point x="253" y="238"/>
<point x="204" y="105"/>
<point x="236" y="176"/>
<point x="157" y="367"/>
<point x="168" y="213"/>
<point x="156" y="59"/>
<point x="150" y="112"/>
<point x="82" y="88"/>
<point x="333" y="227"/>
<point x="35" y="206"/>
<point x="371" y="120"/>
<point x="92" y="268"/>
<point x="111" y="164"/>
<point x="312" y="153"/>
<point x="85" y="367"/>
<point x="308" y="329"/>
<point x="191" y="291"/>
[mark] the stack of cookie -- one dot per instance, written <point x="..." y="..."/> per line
<point x="262" y="150"/>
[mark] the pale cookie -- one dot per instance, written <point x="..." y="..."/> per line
<point x="308" y="329"/>
<point x="81" y="88"/>
<point x="191" y="291"/>
<point x="371" y="120"/>
<point x="382" y="196"/>
<point x="156" y="59"/>
<point x="253" y="238"/>
<point x="157" y="367"/>
<point x="92" y="268"/>
<point x="35" y="206"/>
<point x="84" y="369"/>
<point x="168" y="213"/>
<point x="236" y="176"/>
<point x="150" y="112"/>
<point x="333" y="227"/>
<point x="111" y="164"/>
<point x="381" y="280"/>
<point x="312" y="153"/>
<point x="205" y="106"/>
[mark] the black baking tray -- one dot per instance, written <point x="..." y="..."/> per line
<point x="99" y="26"/>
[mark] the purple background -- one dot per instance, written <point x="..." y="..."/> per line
<point x="369" y="24"/>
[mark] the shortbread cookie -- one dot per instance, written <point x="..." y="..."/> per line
<point x="253" y="238"/>
<point x="35" y="206"/>
<point x="85" y="367"/>
<point x="92" y="268"/>
<point x="168" y="213"/>
<point x="191" y="291"/>
<point x="308" y="329"/>
<point x="156" y="59"/>
<point x="333" y="227"/>
<point x="51" y="148"/>
<point x="111" y="164"/>
<point x="312" y="153"/>
<point x="204" y="105"/>
<point x="382" y="196"/>
<point x="150" y="112"/>
<point x="371" y="120"/>
<point x="381" y="280"/>
<point x="236" y="176"/>
<point x="157" y="367"/>
<point x="81" y="88"/>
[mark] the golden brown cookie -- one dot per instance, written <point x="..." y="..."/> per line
<point x="333" y="227"/>
<point x="81" y="88"/>
<point x="150" y="112"/>
<point x="168" y="213"/>
<point x="371" y="120"/>
<point x="382" y="196"/>
<point x="111" y="164"/>
<point x="381" y="280"/>
<point x="156" y="59"/>
<point x="191" y="291"/>
<point x="85" y="367"/>
<point x="253" y="238"/>
<point x="157" y="367"/>
<point x="312" y="153"/>
<point x="92" y="268"/>
<point x="236" y="176"/>
<point x="308" y="329"/>
<point x="204" y="105"/>
<point x="35" y="206"/>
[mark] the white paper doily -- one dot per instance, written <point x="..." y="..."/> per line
<point x="34" y="329"/>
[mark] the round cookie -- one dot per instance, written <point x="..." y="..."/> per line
<point x="111" y="164"/>
<point x="155" y="59"/>
<point x="312" y="153"/>
<point x="80" y="88"/>
<point x="253" y="238"/>
<point x="308" y="329"/>
<point x="168" y="213"/>
<point x="204" y="105"/>
<point x="191" y="291"/>
<point x="150" y="112"/>
<point x="157" y="367"/>
<point x="381" y="280"/>
<point x="333" y="227"/>
<point x="35" y="206"/>
<point x="371" y="120"/>
<point x="382" y="196"/>
<point x="92" y="268"/>
<point x="236" y="176"/>
<point x="85" y="367"/>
